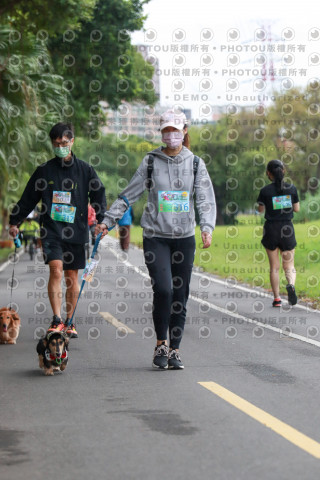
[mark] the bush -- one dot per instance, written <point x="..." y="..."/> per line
<point x="309" y="208"/>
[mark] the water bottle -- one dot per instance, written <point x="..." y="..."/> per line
<point x="17" y="242"/>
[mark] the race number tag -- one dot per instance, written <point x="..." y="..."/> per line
<point x="173" y="201"/>
<point x="284" y="201"/>
<point x="63" y="213"/>
<point x="61" y="197"/>
<point x="90" y="269"/>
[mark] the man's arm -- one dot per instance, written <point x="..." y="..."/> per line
<point x="29" y="199"/>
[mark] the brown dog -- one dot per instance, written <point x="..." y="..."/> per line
<point x="9" y="326"/>
<point x="53" y="352"/>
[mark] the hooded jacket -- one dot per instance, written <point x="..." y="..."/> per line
<point x="77" y="178"/>
<point x="170" y="208"/>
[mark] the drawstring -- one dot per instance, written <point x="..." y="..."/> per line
<point x="168" y="161"/>
<point x="178" y="170"/>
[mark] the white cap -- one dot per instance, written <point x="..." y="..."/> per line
<point x="173" y="118"/>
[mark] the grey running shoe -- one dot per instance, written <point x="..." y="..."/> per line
<point x="160" y="356"/>
<point x="174" y="361"/>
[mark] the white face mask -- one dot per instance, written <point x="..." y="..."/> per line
<point x="173" y="139"/>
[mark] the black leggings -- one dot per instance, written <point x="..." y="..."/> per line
<point x="169" y="262"/>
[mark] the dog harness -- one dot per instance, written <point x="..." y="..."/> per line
<point x="52" y="358"/>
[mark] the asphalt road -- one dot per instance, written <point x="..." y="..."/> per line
<point x="110" y="415"/>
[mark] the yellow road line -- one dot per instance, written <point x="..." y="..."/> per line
<point x="289" y="433"/>
<point x="113" y="321"/>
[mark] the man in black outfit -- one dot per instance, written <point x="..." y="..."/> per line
<point x="63" y="184"/>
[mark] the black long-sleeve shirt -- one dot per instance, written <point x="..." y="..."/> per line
<point x="57" y="175"/>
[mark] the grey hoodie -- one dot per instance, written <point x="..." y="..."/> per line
<point x="170" y="208"/>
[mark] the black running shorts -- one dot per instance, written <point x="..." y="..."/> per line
<point x="279" y="235"/>
<point x="72" y="255"/>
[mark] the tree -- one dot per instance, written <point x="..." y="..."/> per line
<point x="31" y="99"/>
<point x="294" y="127"/>
<point x="45" y="18"/>
<point x="236" y="152"/>
<point x="99" y="62"/>
<point x="91" y="48"/>
<point x="33" y="96"/>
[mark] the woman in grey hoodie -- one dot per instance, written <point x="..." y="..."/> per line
<point x="172" y="174"/>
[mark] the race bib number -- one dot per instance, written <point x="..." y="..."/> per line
<point x="63" y="213"/>
<point x="173" y="201"/>
<point x="284" y="201"/>
<point x="61" y="197"/>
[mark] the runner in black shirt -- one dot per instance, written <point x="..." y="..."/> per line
<point x="279" y="200"/>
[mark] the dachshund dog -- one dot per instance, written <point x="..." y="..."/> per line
<point x="53" y="352"/>
<point x="9" y="325"/>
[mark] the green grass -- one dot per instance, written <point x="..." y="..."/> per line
<point x="4" y="252"/>
<point x="236" y="251"/>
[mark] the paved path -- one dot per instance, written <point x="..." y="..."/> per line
<point x="109" y="415"/>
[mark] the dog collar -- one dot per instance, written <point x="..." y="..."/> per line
<point x="51" y="357"/>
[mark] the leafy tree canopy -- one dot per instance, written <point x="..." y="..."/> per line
<point x="99" y="62"/>
<point x="46" y="18"/>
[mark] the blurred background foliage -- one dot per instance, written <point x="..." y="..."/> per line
<point x="59" y="59"/>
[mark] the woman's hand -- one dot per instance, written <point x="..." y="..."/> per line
<point x="13" y="231"/>
<point x="206" y="239"/>
<point x="101" y="228"/>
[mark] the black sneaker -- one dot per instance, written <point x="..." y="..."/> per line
<point x="174" y="362"/>
<point x="292" y="297"/>
<point x="160" y="356"/>
<point x="277" y="302"/>
<point x="56" y="324"/>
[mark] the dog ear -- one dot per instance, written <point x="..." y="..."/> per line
<point x="45" y="342"/>
<point x="66" y="343"/>
<point x="15" y="316"/>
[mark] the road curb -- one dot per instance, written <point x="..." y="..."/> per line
<point x="4" y="265"/>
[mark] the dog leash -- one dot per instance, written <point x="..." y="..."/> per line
<point x="96" y="244"/>
<point x="17" y="244"/>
